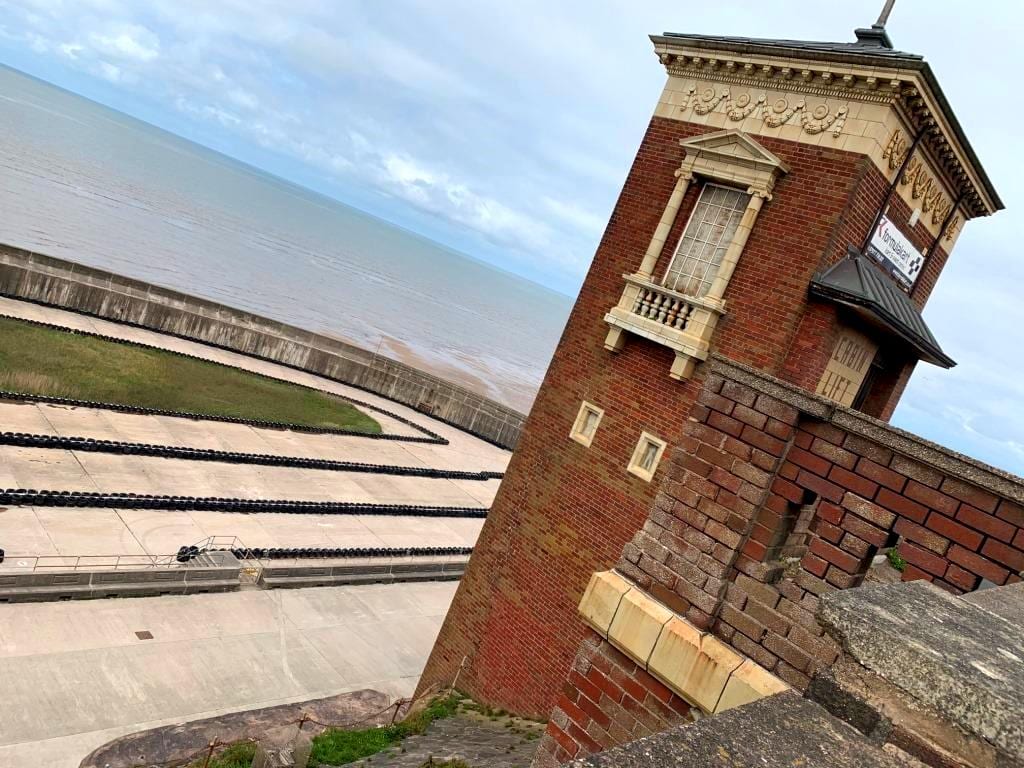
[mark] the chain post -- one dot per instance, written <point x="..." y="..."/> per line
<point x="209" y="753"/>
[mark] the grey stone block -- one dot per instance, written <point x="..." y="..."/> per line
<point x="779" y="731"/>
<point x="959" y="659"/>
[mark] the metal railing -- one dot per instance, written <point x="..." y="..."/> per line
<point x="251" y="565"/>
<point x="43" y="563"/>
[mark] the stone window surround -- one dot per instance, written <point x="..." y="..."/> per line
<point x="730" y="158"/>
<point x="577" y="432"/>
<point x="635" y="468"/>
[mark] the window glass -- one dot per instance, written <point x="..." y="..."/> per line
<point x="705" y="240"/>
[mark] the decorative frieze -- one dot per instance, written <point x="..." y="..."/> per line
<point x="922" y="185"/>
<point x="901" y="89"/>
<point x="817" y="80"/>
<point x="780" y="112"/>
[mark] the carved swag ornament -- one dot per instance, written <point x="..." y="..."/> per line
<point x="817" y="120"/>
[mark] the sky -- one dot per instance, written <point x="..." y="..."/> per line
<point x="505" y="130"/>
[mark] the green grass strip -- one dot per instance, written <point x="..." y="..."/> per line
<point x="50" y="362"/>
<point x="337" y="747"/>
<point x="238" y="755"/>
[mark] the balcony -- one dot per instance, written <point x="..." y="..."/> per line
<point x="682" y="323"/>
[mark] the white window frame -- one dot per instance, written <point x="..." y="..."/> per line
<point x="577" y="432"/>
<point x="682" y="235"/>
<point x="635" y="463"/>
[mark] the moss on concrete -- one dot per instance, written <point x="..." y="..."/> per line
<point x="335" y="746"/>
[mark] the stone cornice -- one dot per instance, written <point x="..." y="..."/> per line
<point x="906" y="443"/>
<point x="906" y="89"/>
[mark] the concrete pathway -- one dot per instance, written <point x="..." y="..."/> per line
<point x="64" y="470"/>
<point x="76" y="675"/>
<point x="30" y="532"/>
<point x="36" y="531"/>
<point x="67" y="421"/>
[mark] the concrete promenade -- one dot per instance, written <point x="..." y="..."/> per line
<point x="35" y="531"/>
<point x="76" y="675"/>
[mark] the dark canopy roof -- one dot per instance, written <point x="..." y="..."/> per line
<point x="856" y="282"/>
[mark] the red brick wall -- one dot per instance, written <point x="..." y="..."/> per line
<point x="748" y="462"/>
<point x="606" y="700"/>
<point x="564" y="511"/>
<point x="754" y="462"/>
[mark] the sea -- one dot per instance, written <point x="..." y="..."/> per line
<point x="85" y="183"/>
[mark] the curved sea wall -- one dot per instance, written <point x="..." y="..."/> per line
<point x="58" y="283"/>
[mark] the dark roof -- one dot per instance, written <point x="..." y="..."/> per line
<point x="856" y="282"/>
<point x="872" y="47"/>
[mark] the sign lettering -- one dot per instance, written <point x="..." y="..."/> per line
<point x="890" y="248"/>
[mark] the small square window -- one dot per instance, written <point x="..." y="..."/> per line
<point x="646" y="456"/>
<point x="587" y="421"/>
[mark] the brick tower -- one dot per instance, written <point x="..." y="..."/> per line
<point x="719" y="396"/>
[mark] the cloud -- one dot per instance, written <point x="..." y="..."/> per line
<point x="505" y="130"/>
<point x="126" y="41"/>
<point x="575" y="215"/>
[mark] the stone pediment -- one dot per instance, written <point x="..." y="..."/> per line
<point x="732" y="146"/>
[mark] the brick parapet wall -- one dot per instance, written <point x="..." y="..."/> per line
<point x="607" y="700"/>
<point x="764" y="468"/>
<point x="756" y="453"/>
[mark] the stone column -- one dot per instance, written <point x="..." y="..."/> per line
<point x="739" y="241"/>
<point x="668" y="219"/>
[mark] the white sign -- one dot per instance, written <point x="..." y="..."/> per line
<point x="890" y="248"/>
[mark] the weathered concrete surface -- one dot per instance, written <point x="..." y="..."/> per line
<point x="475" y="739"/>
<point x="75" y="675"/>
<point x="64" y="470"/>
<point x="780" y="731"/>
<point x="886" y="714"/>
<point x="27" y="532"/>
<point x="1006" y="602"/>
<point x="957" y="658"/>
<point x="467" y="454"/>
<point x="269" y="725"/>
<point x="65" y="284"/>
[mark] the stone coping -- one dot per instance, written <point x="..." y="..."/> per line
<point x="693" y="664"/>
<point x="781" y="732"/>
<point x="956" y="657"/>
<point x="906" y="443"/>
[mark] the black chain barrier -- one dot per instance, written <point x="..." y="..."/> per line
<point x="47" y="498"/>
<point x="91" y="445"/>
<point x="188" y="553"/>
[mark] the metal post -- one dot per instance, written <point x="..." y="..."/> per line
<point x="883" y="17"/>
<point x="209" y="754"/>
<point x="892" y="189"/>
